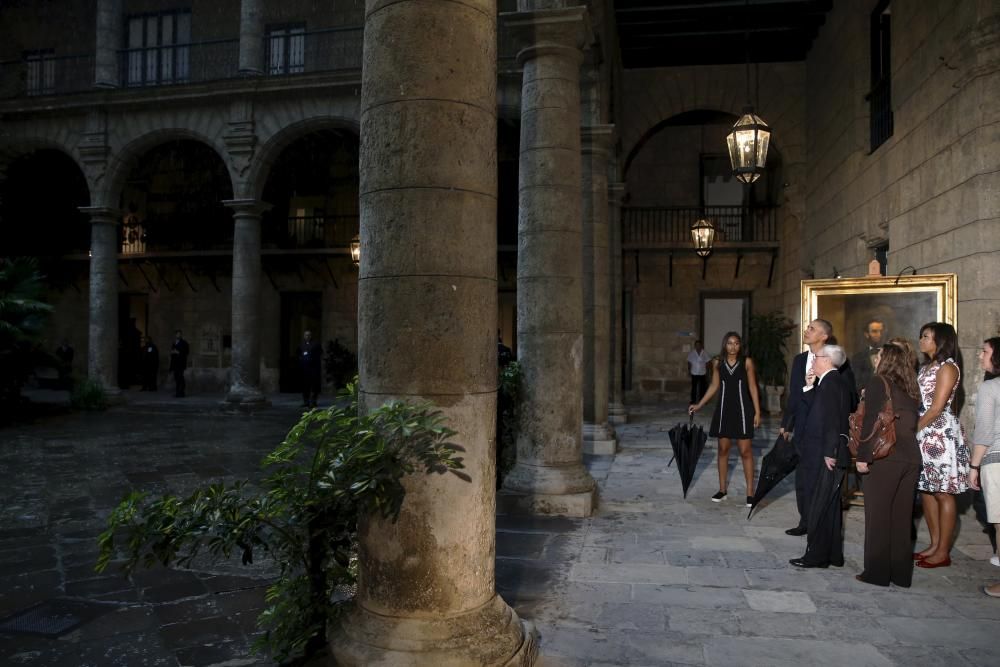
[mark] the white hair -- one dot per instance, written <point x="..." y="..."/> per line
<point x="836" y="354"/>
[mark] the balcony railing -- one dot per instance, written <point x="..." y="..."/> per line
<point x="46" y="75"/>
<point x="327" y="231"/>
<point x="180" y="63"/>
<point x="304" y="52"/>
<point x="671" y="226"/>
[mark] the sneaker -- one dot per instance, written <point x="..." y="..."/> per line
<point x="995" y="561"/>
<point x="749" y="501"/>
<point x="719" y="497"/>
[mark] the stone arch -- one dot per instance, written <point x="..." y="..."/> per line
<point x="125" y="159"/>
<point x="656" y="95"/>
<point x="16" y="147"/>
<point x="252" y="187"/>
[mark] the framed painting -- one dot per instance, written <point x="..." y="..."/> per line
<point x="901" y="304"/>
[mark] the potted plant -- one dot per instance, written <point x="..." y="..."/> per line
<point x="768" y="345"/>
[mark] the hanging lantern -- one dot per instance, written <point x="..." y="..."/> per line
<point x="703" y="235"/>
<point x="356" y="250"/>
<point x="748" y="142"/>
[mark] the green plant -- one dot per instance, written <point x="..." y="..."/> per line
<point x="508" y="411"/>
<point x="22" y="317"/>
<point x="88" y="395"/>
<point x="768" y="345"/>
<point x="333" y="466"/>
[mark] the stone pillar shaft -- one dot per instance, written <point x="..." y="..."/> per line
<point x="102" y="341"/>
<point x="244" y="382"/>
<point x="596" y="143"/>
<point x="427" y="309"/>
<point x="616" y="407"/>
<point x="251" y="60"/>
<point x="549" y="473"/>
<point x="110" y="40"/>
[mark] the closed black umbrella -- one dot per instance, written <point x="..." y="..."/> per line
<point x="775" y="466"/>
<point x="687" y="441"/>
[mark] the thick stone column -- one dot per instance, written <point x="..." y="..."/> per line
<point x="616" y="406"/>
<point x="251" y="38"/>
<point x="102" y="341"/>
<point x="598" y="438"/>
<point x="549" y="476"/>
<point x="244" y="378"/>
<point x="109" y="40"/>
<point x="427" y="312"/>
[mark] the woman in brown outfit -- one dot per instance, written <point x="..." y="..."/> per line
<point x="892" y="481"/>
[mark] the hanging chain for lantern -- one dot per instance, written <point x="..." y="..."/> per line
<point x="750" y="137"/>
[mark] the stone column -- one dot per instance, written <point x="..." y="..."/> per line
<point x="110" y="39"/>
<point x="549" y="476"/>
<point x="244" y="380"/>
<point x="251" y="38"/>
<point x="616" y="406"/>
<point x="427" y="312"/>
<point x="598" y="438"/>
<point x="102" y="341"/>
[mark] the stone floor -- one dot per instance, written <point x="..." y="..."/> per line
<point x="653" y="579"/>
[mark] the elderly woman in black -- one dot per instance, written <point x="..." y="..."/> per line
<point x="890" y="481"/>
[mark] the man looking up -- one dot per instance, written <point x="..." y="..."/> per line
<point x="800" y="386"/>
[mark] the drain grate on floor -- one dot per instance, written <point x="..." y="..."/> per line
<point x="53" y="618"/>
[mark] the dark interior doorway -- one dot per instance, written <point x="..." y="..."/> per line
<point x="300" y="312"/>
<point x="133" y="324"/>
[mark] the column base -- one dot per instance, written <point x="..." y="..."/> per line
<point x="556" y="490"/>
<point x="492" y="635"/>
<point x="244" y="398"/>
<point x="617" y="414"/>
<point x="599" y="439"/>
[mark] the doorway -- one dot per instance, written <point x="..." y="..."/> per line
<point x="722" y="312"/>
<point x="300" y="312"/>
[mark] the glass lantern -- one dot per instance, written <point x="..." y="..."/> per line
<point x="748" y="142"/>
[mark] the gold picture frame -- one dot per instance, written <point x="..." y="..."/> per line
<point x="902" y="303"/>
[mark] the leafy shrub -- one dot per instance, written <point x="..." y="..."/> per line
<point x="22" y="318"/>
<point x="508" y="412"/>
<point x="88" y="395"/>
<point x="333" y="466"/>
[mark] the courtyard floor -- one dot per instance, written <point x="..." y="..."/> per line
<point x="652" y="579"/>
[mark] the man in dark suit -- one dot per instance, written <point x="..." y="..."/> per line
<point x="797" y="407"/>
<point x="179" y="352"/>
<point x="862" y="361"/>
<point x="311" y="362"/>
<point x="823" y="447"/>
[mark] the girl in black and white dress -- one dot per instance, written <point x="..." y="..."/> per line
<point x="737" y="412"/>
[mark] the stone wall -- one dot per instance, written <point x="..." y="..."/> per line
<point x="933" y="189"/>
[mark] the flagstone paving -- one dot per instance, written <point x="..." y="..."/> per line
<point x="652" y="579"/>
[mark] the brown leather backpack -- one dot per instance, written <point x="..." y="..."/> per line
<point x="883" y="430"/>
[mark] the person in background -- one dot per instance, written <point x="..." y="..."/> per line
<point x="504" y="353"/>
<point x="945" y="453"/>
<point x="149" y="363"/>
<point x="984" y="473"/>
<point x="737" y="413"/>
<point x="311" y="363"/>
<point x="697" y="367"/>
<point x="891" y="481"/>
<point x="179" y="352"/>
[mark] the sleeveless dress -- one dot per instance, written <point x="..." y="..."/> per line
<point x="943" y="447"/>
<point x="733" y="417"/>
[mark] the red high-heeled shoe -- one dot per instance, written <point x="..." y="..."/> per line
<point x="927" y="566"/>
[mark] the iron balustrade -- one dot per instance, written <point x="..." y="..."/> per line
<point x="671" y="226"/>
<point x="168" y="64"/>
<point x="46" y="74"/>
<point x="320" y="231"/>
<point x="298" y="51"/>
<point x="880" y="107"/>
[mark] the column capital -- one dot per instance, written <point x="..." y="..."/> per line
<point x="597" y="139"/>
<point x="549" y="31"/>
<point x="247" y="208"/>
<point x="102" y="215"/>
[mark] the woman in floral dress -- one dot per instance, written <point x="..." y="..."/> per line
<point x="945" y="454"/>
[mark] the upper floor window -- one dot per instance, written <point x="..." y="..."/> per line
<point x="286" y="49"/>
<point x="41" y="72"/>
<point x="158" y="48"/>
<point x="880" y="96"/>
